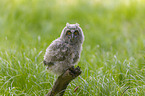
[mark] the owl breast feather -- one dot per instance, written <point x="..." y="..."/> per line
<point x="61" y="51"/>
<point x="59" y="56"/>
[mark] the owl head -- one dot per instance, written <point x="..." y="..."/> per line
<point x="72" y="34"/>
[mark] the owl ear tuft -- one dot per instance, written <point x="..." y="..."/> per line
<point x="67" y="24"/>
<point x="77" y="24"/>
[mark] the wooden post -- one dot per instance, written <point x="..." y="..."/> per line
<point x="63" y="80"/>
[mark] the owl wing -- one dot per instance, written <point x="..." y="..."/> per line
<point x="57" y="51"/>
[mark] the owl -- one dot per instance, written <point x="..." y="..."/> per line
<point x="65" y="51"/>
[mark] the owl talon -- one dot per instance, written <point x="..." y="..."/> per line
<point x="74" y="71"/>
<point x="77" y="68"/>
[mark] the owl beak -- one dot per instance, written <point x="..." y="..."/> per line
<point x="72" y="36"/>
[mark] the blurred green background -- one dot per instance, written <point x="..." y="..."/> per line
<point x="113" y="51"/>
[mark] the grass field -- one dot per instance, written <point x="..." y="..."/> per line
<point x="113" y="56"/>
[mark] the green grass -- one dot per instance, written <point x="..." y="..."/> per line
<point x="113" y="56"/>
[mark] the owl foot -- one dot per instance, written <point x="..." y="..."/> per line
<point x="74" y="71"/>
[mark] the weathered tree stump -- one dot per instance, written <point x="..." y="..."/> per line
<point x="63" y="80"/>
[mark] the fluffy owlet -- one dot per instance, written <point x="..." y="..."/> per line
<point x="66" y="50"/>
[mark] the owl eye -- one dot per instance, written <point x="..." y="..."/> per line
<point x="68" y="32"/>
<point x="76" y="32"/>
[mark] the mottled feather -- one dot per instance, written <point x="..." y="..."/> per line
<point x="64" y="51"/>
